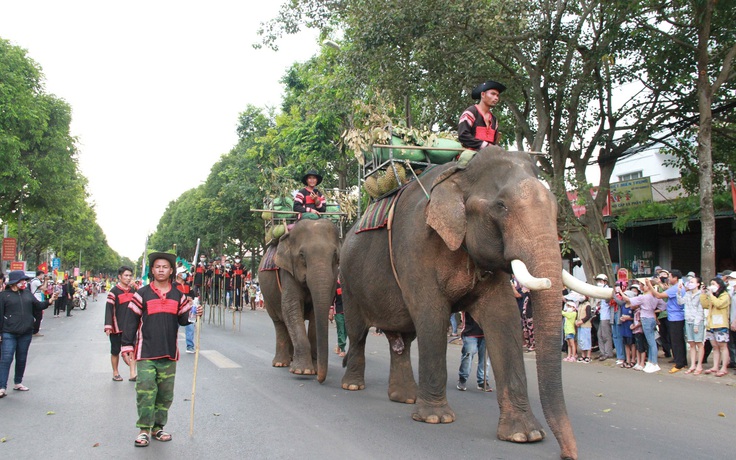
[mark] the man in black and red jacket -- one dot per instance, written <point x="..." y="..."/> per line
<point x="156" y="312"/>
<point x="478" y="127"/>
<point x="238" y="273"/>
<point x="310" y="200"/>
<point x="116" y="309"/>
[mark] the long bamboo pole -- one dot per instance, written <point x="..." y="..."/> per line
<point x="198" y="328"/>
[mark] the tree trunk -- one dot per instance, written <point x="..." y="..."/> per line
<point x="705" y="158"/>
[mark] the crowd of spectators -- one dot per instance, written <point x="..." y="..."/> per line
<point x="684" y="317"/>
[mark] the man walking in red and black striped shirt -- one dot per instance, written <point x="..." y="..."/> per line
<point x="116" y="310"/>
<point x="156" y="312"/>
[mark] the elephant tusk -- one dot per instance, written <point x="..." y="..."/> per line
<point x="585" y="288"/>
<point x="526" y="279"/>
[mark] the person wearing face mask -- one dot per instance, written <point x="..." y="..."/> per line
<point x="605" y="333"/>
<point x="675" y="319"/>
<point x="694" y="326"/>
<point x="17" y="307"/>
<point x="716" y="299"/>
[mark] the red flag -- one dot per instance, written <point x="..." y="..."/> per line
<point x="733" y="195"/>
<point x="44" y="267"/>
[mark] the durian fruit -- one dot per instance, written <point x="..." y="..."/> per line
<point x="371" y="186"/>
<point x="402" y="174"/>
<point x="384" y="184"/>
<point x="266" y="215"/>
<point x="391" y="181"/>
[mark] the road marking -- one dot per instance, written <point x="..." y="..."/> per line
<point x="219" y="360"/>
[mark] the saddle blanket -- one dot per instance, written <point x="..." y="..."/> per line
<point x="268" y="263"/>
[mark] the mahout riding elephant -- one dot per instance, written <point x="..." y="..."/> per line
<point x="455" y="250"/>
<point x="302" y="289"/>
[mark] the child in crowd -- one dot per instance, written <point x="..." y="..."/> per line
<point x="569" y="314"/>
<point x="627" y="335"/>
<point x="584" y="323"/>
<point x="694" y="324"/>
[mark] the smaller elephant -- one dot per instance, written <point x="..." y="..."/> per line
<point x="302" y="289"/>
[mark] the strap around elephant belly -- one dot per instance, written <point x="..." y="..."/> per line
<point x="389" y="227"/>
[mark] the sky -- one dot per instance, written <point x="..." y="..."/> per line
<point x="155" y="88"/>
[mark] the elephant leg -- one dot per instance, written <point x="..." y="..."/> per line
<point x="354" y="362"/>
<point x="284" y="348"/>
<point x="401" y="384"/>
<point x="431" y="405"/>
<point x="499" y="317"/>
<point x="293" y="303"/>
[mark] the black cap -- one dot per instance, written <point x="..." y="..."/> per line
<point x="154" y="256"/>
<point x="312" y="172"/>
<point x="483" y="87"/>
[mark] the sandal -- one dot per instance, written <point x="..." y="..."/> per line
<point x="161" y="435"/>
<point x="709" y="371"/>
<point x="698" y="371"/>
<point x="690" y="371"/>
<point x="133" y="379"/>
<point x="117" y="378"/>
<point x="721" y="373"/>
<point x="21" y="387"/>
<point x="142" y="440"/>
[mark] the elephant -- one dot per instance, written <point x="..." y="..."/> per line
<point x="302" y="289"/>
<point x="452" y="245"/>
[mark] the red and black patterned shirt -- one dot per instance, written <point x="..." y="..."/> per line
<point x="476" y="131"/>
<point x="154" y="318"/>
<point x="116" y="308"/>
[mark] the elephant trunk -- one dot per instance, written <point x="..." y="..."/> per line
<point x="322" y="289"/>
<point x="548" y="338"/>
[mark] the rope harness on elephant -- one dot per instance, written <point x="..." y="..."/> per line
<point x="462" y="163"/>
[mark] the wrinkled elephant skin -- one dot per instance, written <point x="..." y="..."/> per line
<point x="303" y="289"/>
<point x="454" y="253"/>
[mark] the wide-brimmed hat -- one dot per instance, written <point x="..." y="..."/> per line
<point x="485" y="86"/>
<point x="312" y="172"/>
<point x="16" y="276"/>
<point x="154" y="256"/>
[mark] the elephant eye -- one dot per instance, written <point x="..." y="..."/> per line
<point x="501" y="205"/>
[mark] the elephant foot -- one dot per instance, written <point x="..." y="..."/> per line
<point x="277" y="363"/>
<point x="433" y="414"/>
<point x="353" y="384"/>
<point x="401" y="394"/>
<point x="520" y="428"/>
<point x="302" y="371"/>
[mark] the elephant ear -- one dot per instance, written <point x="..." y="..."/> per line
<point x="283" y="258"/>
<point x="445" y="213"/>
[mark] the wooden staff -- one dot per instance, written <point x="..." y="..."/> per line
<point x="194" y="381"/>
<point x="198" y="328"/>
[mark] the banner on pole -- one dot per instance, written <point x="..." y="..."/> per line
<point x="18" y="265"/>
<point x="9" y="247"/>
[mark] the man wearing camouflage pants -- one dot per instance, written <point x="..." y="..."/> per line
<point x="156" y="312"/>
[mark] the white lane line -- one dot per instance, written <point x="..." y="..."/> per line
<point x="219" y="360"/>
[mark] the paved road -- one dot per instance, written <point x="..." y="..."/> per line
<point x="247" y="409"/>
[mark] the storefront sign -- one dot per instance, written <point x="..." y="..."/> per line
<point x="630" y="193"/>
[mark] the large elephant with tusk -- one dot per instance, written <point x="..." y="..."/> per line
<point x="452" y="245"/>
